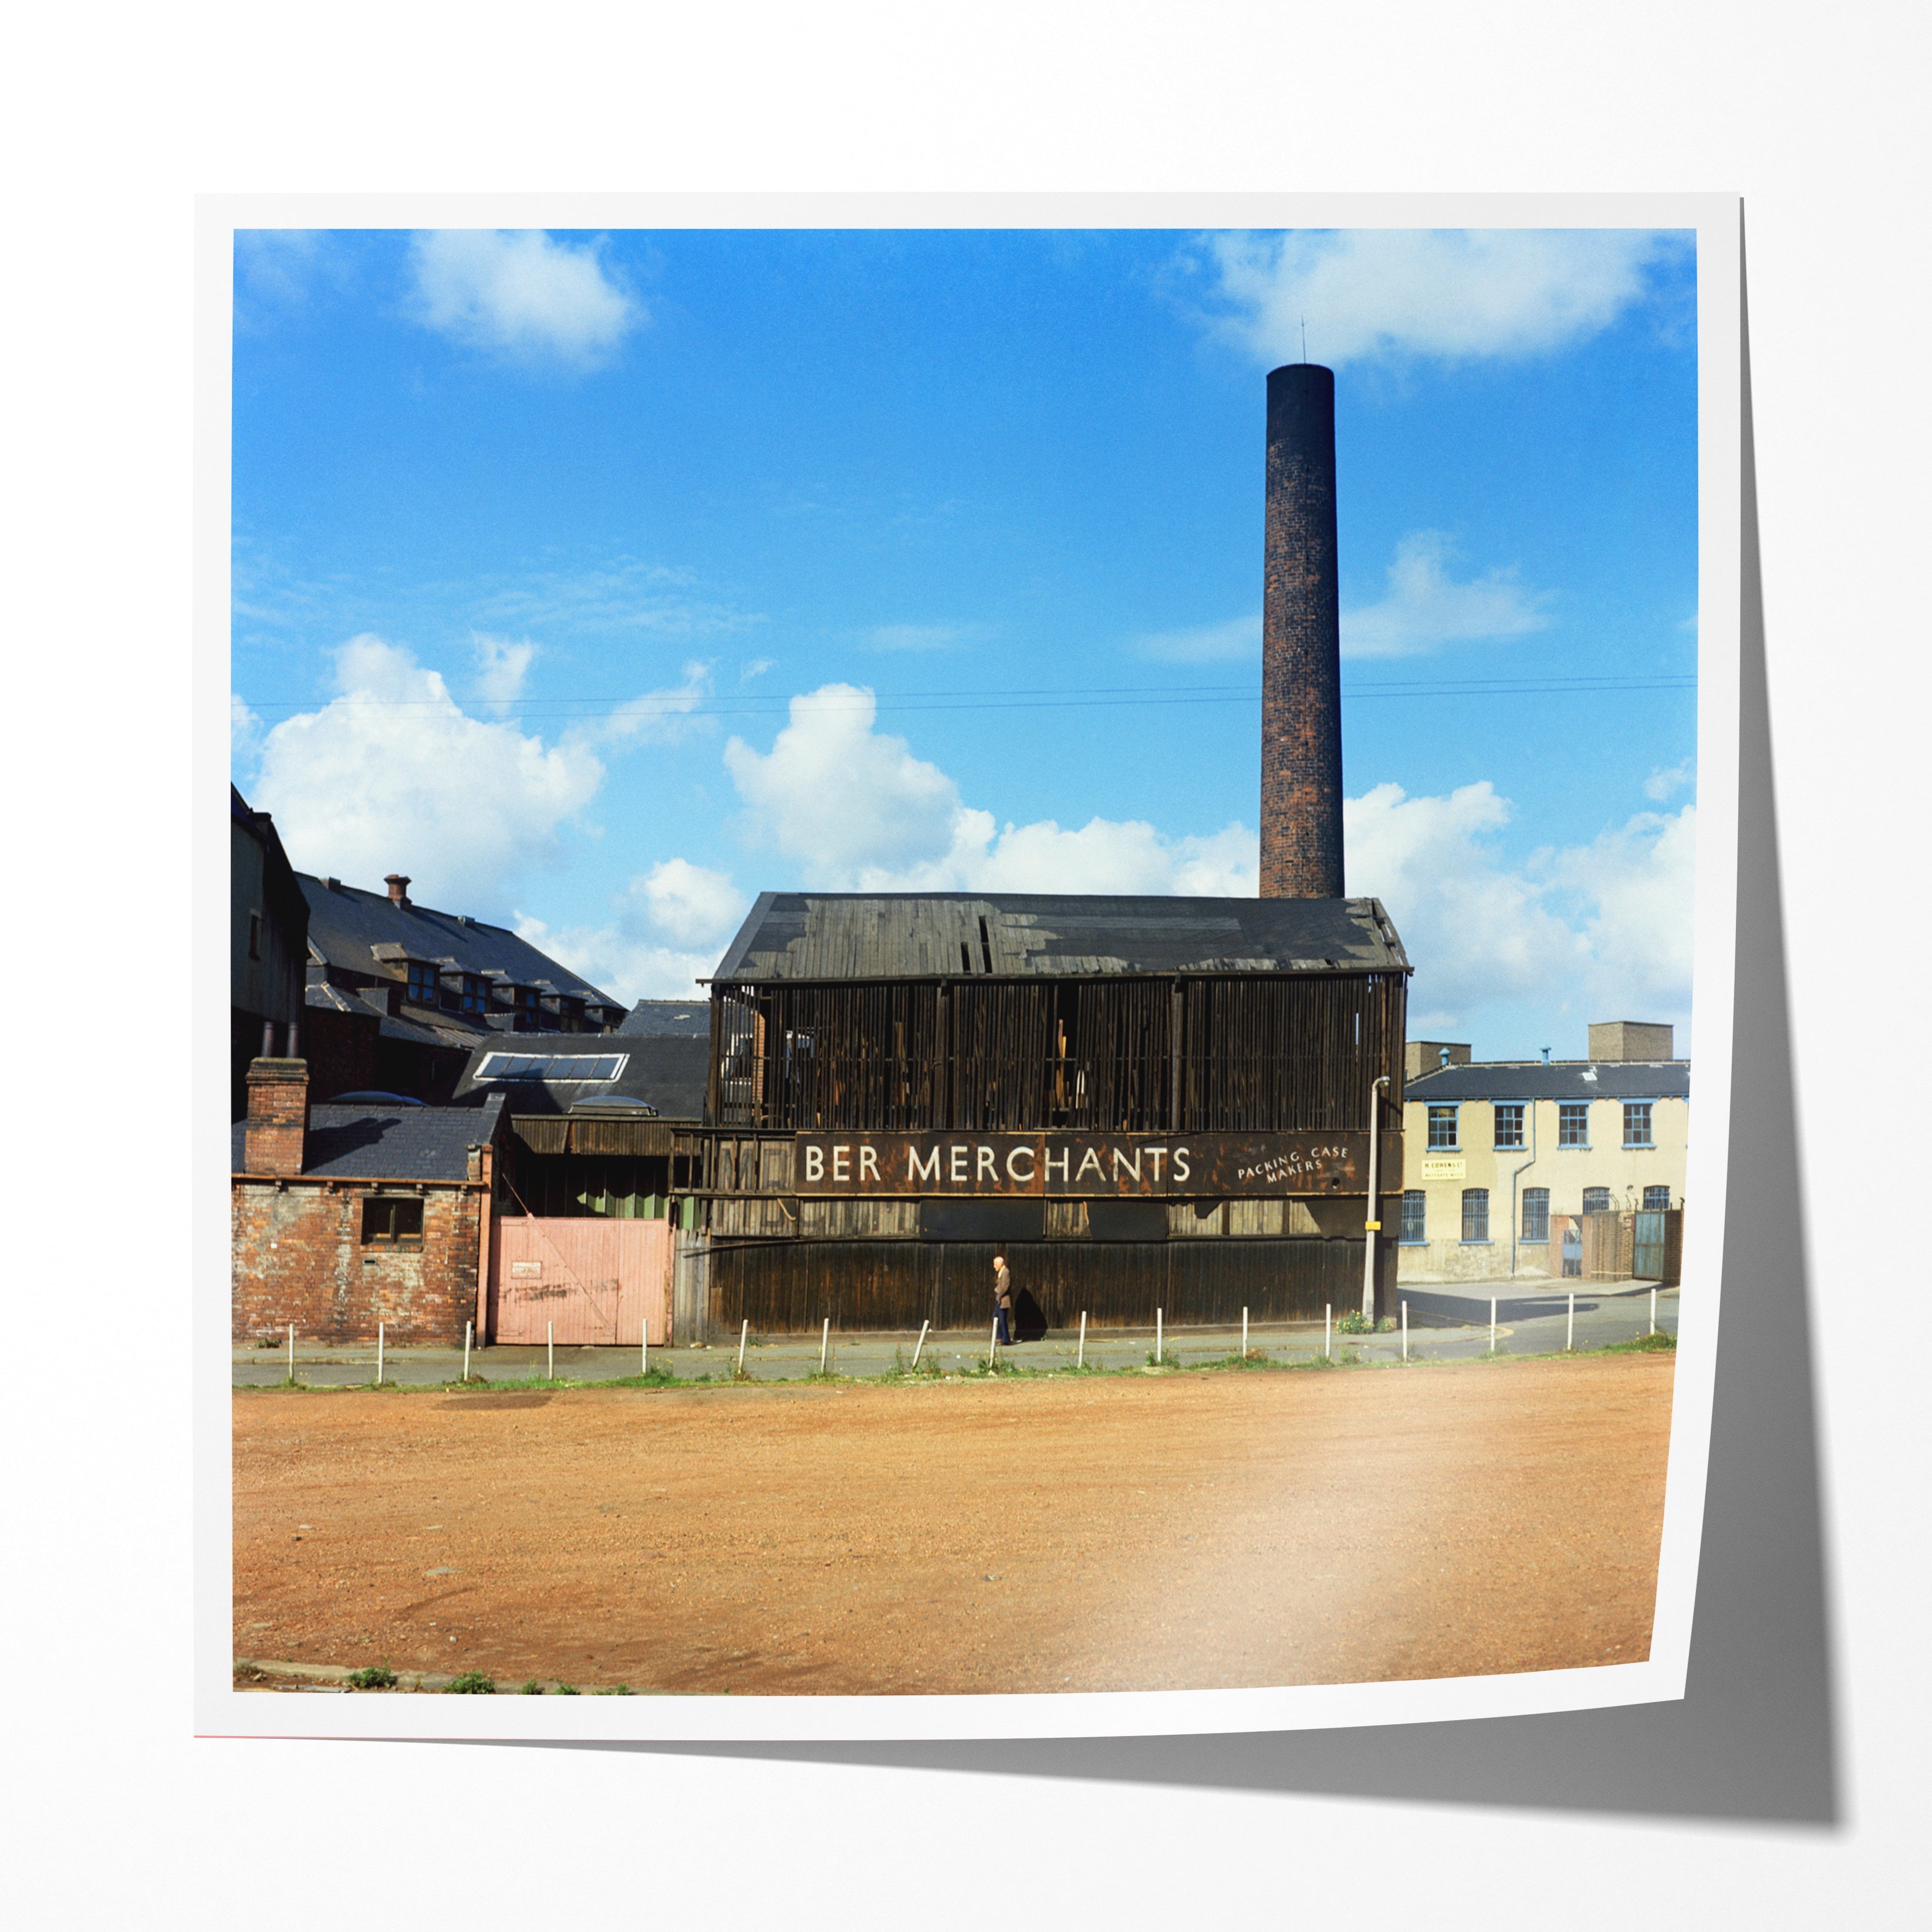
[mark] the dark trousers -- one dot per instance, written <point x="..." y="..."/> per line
<point x="1004" y="1327"/>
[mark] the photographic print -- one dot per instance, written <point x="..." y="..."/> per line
<point x="962" y="944"/>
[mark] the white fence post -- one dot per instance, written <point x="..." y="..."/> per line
<point x="744" y="1334"/>
<point x="643" y="1345"/>
<point x="467" y="1326"/>
<point x="291" y="1352"/>
<point x="1492" y="1324"/>
<point x="920" y="1343"/>
<point x="1404" y="1331"/>
<point x="1244" y="1334"/>
<point x="378" y="1354"/>
<point x="1080" y="1360"/>
<point x="1156" y="1335"/>
<point x="993" y="1344"/>
<point x="1570" y="1333"/>
<point x="550" y="1345"/>
<point x="1328" y="1329"/>
<point x="1653" y="1311"/>
<point x="824" y="1343"/>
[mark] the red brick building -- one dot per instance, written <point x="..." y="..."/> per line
<point x="345" y="1217"/>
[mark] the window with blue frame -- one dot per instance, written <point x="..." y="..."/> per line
<point x="1573" y="1123"/>
<point x="1475" y="1214"/>
<point x="1415" y="1217"/>
<point x="1636" y="1123"/>
<point x="1536" y="1213"/>
<point x="1509" y="1124"/>
<point x="1596" y="1200"/>
<point x="1656" y="1200"/>
<point x="1442" y="1127"/>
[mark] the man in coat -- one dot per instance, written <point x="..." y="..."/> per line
<point x="1003" y="1301"/>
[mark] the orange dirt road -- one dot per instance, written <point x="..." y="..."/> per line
<point x="1181" y="1531"/>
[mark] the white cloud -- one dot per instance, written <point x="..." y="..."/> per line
<point x="501" y="668"/>
<point x="392" y="776"/>
<point x="847" y="803"/>
<point x="1660" y="785"/>
<point x="1604" y="929"/>
<point x="671" y="929"/>
<point x="755" y="667"/>
<point x="1444" y="293"/>
<point x="656" y="717"/>
<point x="1423" y="607"/>
<point x="919" y="637"/>
<point x="861" y="813"/>
<point x="689" y="902"/>
<point x="1234" y="639"/>
<point x="245" y="733"/>
<point x="521" y="293"/>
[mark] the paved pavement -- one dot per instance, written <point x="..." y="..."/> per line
<point x="1444" y="1323"/>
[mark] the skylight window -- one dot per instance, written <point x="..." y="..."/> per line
<point x="551" y="1065"/>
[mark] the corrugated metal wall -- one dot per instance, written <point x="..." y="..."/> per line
<point x="595" y="1278"/>
<point x="791" y="1287"/>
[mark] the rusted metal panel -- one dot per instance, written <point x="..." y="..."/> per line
<point x="1225" y="1166"/>
<point x="596" y="1279"/>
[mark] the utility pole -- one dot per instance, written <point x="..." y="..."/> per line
<point x="1372" y="1221"/>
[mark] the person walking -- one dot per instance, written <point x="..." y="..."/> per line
<point x="1002" y="1301"/>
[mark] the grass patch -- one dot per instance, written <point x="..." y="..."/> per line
<point x="568" y="1690"/>
<point x="1660" y="1343"/>
<point x="471" y="1684"/>
<point x="530" y="1688"/>
<point x="372" y="1677"/>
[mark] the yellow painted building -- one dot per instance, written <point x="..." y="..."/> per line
<point x="1500" y="1157"/>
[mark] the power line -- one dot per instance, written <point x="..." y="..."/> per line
<point x="583" y="706"/>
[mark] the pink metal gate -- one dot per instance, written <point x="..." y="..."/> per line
<point x="595" y="1278"/>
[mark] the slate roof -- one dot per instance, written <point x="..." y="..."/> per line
<point x="670" y="1071"/>
<point x="914" y="935"/>
<point x="344" y="999"/>
<point x="345" y="922"/>
<point x="1557" y="1080"/>
<point x="390" y="1143"/>
<point x="691" y="1018"/>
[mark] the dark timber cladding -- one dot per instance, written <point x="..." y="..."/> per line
<point x="1165" y="1102"/>
<point x="1301" y="643"/>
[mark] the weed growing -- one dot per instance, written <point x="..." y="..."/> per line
<point x="372" y="1677"/>
<point x="1643" y="1345"/>
<point x="471" y="1684"/>
<point x="1356" y="1323"/>
<point x="568" y="1690"/>
<point x="531" y="1687"/>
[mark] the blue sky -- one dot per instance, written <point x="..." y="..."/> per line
<point x="599" y="582"/>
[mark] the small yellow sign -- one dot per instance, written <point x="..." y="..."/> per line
<point x="1442" y="1167"/>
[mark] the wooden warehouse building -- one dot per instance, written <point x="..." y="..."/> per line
<point x="1147" y="1102"/>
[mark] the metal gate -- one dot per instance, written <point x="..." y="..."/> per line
<point x="593" y="1279"/>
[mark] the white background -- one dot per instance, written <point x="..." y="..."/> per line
<point x="115" y="121"/>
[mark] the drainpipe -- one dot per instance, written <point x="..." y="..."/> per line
<point x="1516" y="1225"/>
<point x="1372" y="1221"/>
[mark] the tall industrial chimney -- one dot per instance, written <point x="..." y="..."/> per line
<point x="1301" y="643"/>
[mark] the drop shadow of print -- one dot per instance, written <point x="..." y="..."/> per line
<point x="1755" y="1736"/>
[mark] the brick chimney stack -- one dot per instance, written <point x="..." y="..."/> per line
<point x="398" y="884"/>
<point x="277" y="1130"/>
<point x="1301" y="643"/>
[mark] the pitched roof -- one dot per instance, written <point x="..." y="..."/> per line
<point x="1555" y="1080"/>
<point x="390" y="1143"/>
<point x="914" y="935"/>
<point x="346" y="924"/>
<point x="672" y="1072"/>
<point x="692" y="1017"/>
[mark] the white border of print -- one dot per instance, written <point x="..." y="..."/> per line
<point x="219" y="1710"/>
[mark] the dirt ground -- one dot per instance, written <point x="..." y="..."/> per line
<point x="1178" y="1532"/>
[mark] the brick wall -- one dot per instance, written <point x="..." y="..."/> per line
<point x="298" y="1256"/>
<point x="1301" y="664"/>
